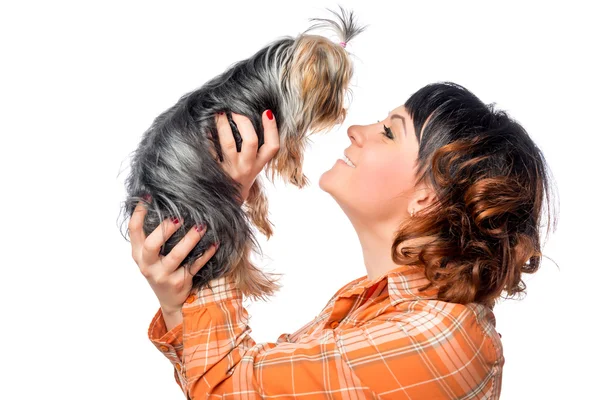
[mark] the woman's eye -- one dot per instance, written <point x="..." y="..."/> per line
<point x="387" y="132"/>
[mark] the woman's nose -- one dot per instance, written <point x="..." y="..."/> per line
<point x="355" y="134"/>
<point x="359" y="134"/>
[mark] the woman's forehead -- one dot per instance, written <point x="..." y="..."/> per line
<point x="398" y="110"/>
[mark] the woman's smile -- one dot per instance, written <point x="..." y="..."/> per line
<point x="347" y="161"/>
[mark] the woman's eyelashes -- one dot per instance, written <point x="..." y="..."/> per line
<point x="387" y="132"/>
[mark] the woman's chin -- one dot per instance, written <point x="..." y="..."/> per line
<point x="326" y="181"/>
<point x="336" y="181"/>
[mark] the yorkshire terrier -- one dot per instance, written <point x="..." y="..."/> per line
<point x="304" y="81"/>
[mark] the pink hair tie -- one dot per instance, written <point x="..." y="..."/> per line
<point x="343" y="44"/>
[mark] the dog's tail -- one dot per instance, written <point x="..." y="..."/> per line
<point x="346" y="29"/>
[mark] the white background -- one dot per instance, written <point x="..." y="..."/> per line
<point x="81" y="81"/>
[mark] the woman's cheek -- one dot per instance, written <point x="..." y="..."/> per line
<point x="382" y="178"/>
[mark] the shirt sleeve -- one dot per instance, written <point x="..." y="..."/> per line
<point x="380" y="359"/>
<point x="169" y="343"/>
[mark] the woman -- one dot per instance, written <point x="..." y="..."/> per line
<point x="446" y="198"/>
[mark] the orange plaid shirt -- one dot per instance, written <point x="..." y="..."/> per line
<point x="375" y="339"/>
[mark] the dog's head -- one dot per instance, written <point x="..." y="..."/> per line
<point x="319" y="73"/>
<point x="314" y="82"/>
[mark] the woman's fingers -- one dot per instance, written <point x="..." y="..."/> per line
<point x="188" y="278"/>
<point x="226" y="138"/>
<point x="212" y="146"/>
<point x="151" y="246"/>
<point x="247" y="157"/>
<point x="200" y="262"/>
<point x="181" y="250"/>
<point x="136" y="233"/>
<point x="271" y="144"/>
<point x="244" y="167"/>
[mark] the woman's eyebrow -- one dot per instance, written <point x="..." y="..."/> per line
<point x="394" y="116"/>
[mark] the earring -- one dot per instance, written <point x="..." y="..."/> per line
<point x="412" y="212"/>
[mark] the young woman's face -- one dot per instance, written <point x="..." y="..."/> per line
<point x="379" y="184"/>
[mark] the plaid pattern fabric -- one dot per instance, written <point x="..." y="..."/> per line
<point x="375" y="339"/>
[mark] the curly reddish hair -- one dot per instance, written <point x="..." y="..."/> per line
<point x="491" y="182"/>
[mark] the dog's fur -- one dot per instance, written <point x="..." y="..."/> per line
<point x="304" y="81"/>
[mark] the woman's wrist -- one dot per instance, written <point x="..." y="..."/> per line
<point x="170" y="309"/>
<point x="172" y="317"/>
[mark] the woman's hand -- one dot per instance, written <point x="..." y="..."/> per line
<point x="245" y="166"/>
<point x="171" y="284"/>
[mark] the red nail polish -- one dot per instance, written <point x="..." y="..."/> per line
<point x="174" y="220"/>
<point x="217" y="246"/>
<point x="147" y="197"/>
<point x="270" y="114"/>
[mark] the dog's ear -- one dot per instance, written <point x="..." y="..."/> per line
<point x="257" y="207"/>
<point x="288" y="161"/>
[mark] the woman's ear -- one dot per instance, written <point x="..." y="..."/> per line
<point x="423" y="197"/>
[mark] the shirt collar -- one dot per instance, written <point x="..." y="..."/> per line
<point x="403" y="284"/>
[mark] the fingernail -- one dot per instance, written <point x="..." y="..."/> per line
<point x="270" y="114"/>
<point x="147" y="197"/>
<point x="200" y="227"/>
<point x="217" y="244"/>
<point x="174" y="220"/>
